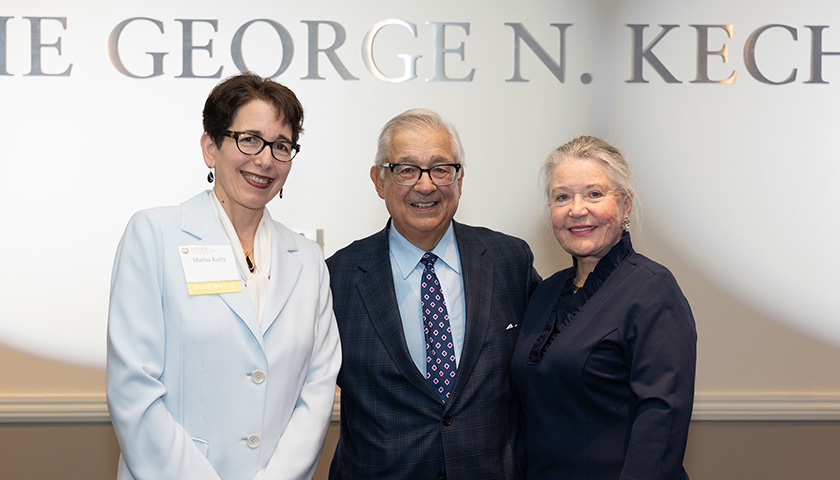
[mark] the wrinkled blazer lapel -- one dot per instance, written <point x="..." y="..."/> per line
<point x="376" y="288"/>
<point x="478" y="285"/>
<point x="198" y="220"/>
<point x="285" y="272"/>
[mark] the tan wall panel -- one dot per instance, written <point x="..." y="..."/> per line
<point x="716" y="451"/>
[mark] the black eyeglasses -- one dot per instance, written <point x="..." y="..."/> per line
<point x="407" y="174"/>
<point x="252" y="144"/>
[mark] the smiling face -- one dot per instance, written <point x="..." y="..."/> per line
<point x="587" y="209"/>
<point x="421" y="212"/>
<point x="246" y="183"/>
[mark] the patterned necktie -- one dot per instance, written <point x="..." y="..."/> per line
<point x="440" y="353"/>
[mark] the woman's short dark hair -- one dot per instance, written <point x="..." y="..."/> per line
<point x="231" y="94"/>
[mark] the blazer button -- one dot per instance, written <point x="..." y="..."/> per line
<point x="447" y="420"/>
<point x="442" y="475"/>
<point x="258" y="377"/>
<point x="254" y="441"/>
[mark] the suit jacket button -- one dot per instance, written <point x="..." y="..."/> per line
<point x="254" y="441"/>
<point x="442" y="475"/>
<point x="447" y="421"/>
<point x="258" y="377"/>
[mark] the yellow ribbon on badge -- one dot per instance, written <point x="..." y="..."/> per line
<point x="207" y="288"/>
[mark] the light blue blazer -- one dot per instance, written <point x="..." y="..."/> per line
<point x="197" y="387"/>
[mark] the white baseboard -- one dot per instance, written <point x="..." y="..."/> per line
<point x="788" y="407"/>
<point x="726" y="407"/>
<point x="53" y="409"/>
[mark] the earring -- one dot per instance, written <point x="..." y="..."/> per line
<point x="210" y="177"/>
<point x="280" y="195"/>
<point x="626" y="224"/>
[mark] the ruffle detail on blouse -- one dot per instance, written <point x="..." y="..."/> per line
<point x="569" y="303"/>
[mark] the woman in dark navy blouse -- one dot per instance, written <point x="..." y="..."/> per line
<point x="604" y="365"/>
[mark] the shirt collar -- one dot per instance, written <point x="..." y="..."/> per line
<point x="407" y="255"/>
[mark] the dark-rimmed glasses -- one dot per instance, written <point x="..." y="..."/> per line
<point x="407" y="174"/>
<point x="252" y="144"/>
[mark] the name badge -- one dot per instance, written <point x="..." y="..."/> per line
<point x="209" y="269"/>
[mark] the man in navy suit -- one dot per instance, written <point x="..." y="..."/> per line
<point x="394" y="423"/>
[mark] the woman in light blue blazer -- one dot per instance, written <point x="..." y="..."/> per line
<point x="222" y="344"/>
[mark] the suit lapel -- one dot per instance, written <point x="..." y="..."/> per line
<point x="198" y="220"/>
<point x="478" y="285"/>
<point x="376" y="288"/>
<point x="285" y="271"/>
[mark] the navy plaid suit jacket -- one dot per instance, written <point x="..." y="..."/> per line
<point x="393" y="424"/>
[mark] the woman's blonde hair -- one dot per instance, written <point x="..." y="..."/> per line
<point x="587" y="146"/>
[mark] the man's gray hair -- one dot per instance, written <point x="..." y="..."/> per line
<point x="416" y="119"/>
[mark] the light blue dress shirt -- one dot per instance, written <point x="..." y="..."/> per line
<point x="407" y="271"/>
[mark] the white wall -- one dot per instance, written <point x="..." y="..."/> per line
<point x="737" y="180"/>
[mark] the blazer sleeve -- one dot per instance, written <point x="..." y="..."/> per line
<point x="661" y="341"/>
<point x="299" y="448"/>
<point x="153" y="444"/>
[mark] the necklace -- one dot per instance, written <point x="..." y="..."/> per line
<point x="575" y="286"/>
<point x="248" y="259"/>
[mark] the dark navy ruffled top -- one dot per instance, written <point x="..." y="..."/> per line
<point x="605" y="376"/>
